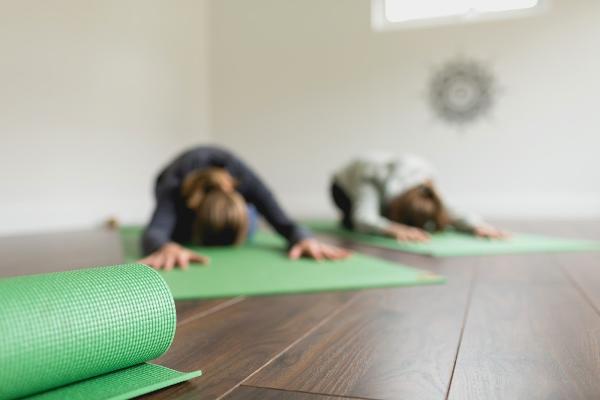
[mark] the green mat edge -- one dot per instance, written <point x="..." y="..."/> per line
<point x="572" y="248"/>
<point x="185" y="376"/>
<point x="182" y="377"/>
<point x="576" y="245"/>
<point x="434" y="280"/>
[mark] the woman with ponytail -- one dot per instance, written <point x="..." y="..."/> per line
<point x="395" y="196"/>
<point x="209" y="197"/>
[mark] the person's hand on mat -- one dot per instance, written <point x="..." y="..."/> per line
<point x="171" y="255"/>
<point x="312" y="248"/>
<point x="486" y="231"/>
<point x="405" y="233"/>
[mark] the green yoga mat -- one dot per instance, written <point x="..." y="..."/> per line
<point x="451" y="243"/>
<point x="86" y="334"/>
<point x="262" y="268"/>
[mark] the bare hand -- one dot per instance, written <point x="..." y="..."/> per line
<point x="490" y="232"/>
<point x="171" y="255"/>
<point x="319" y="251"/>
<point x="405" y="233"/>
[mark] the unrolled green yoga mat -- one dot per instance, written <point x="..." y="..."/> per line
<point x="261" y="267"/>
<point x="86" y="334"/>
<point x="451" y="243"/>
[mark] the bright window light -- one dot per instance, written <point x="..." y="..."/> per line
<point x="411" y="10"/>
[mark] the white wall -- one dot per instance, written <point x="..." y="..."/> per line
<point x="301" y="86"/>
<point x="94" y="96"/>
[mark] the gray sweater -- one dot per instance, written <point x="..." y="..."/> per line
<point x="372" y="180"/>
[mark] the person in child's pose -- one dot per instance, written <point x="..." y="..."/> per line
<point x="395" y="196"/>
<point x="209" y="197"/>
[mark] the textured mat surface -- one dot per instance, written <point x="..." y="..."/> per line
<point x="66" y="327"/>
<point x="448" y="244"/>
<point x="262" y="268"/>
<point x="119" y="385"/>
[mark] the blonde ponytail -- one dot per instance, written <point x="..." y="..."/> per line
<point x="198" y="184"/>
<point x="221" y="212"/>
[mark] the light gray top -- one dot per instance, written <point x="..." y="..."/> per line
<point x="372" y="180"/>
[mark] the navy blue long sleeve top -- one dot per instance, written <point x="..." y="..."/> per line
<point x="173" y="221"/>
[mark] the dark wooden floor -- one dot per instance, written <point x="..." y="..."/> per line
<point x="503" y="327"/>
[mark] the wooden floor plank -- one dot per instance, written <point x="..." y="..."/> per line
<point x="189" y="310"/>
<point x="49" y="252"/>
<point x="388" y="344"/>
<point x="584" y="271"/>
<point x="522" y="270"/>
<point x="231" y="344"/>
<point x="532" y="329"/>
<point x="530" y="333"/>
<point x="254" y="393"/>
<point x="528" y="342"/>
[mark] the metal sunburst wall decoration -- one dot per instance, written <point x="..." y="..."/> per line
<point x="462" y="91"/>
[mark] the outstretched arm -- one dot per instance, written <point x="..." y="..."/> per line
<point x="159" y="230"/>
<point x="300" y="239"/>
<point x="367" y="218"/>
<point x="160" y="251"/>
<point x="474" y="225"/>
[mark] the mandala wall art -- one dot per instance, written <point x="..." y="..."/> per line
<point x="462" y="91"/>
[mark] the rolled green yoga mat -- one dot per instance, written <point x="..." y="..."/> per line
<point x="262" y="267"/>
<point x="451" y="243"/>
<point x="86" y="334"/>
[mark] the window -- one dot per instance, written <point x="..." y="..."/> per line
<point x="410" y="13"/>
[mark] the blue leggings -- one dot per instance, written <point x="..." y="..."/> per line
<point x="252" y="221"/>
